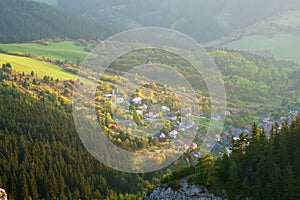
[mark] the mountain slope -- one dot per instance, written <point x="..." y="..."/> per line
<point x="277" y="35"/>
<point x="201" y="19"/>
<point x="24" y="20"/>
<point x="42" y="157"/>
<point x="256" y="168"/>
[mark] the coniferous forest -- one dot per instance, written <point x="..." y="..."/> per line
<point x="256" y="168"/>
<point x="255" y="155"/>
<point x="41" y="156"/>
<point x="24" y="20"/>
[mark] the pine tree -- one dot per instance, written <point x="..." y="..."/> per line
<point x="255" y="132"/>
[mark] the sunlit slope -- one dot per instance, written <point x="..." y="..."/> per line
<point x="26" y="65"/>
<point x="282" y="46"/>
<point x="66" y="50"/>
<point x="278" y="36"/>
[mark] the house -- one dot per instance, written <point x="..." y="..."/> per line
<point x="227" y="113"/>
<point x="186" y="112"/>
<point x="173" y="134"/>
<point x="163" y="140"/>
<point x="194" y="145"/>
<point x="144" y="109"/>
<point x="188" y="145"/>
<point x="187" y="124"/>
<point x="160" y="135"/>
<point x="293" y="112"/>
<point x="120" y="99"/>
<point x="152" y="114"/>
<point x="228" y="151"/>
<point x="137" y="100"/>
<point x="238" y="131"/>
<point x="218" y="137"/>
<point x="294" y="118"/>
<point x="172" y="116"/>
<point x="165" y="108"/>
<point x="265" y="119"/>
<point x="108" y="96"/>
<point x="140" y="112"/>
<point x="216" y="117"/>
<point x="195" y="154"/>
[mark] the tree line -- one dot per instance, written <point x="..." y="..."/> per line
<point x="257" y="168"/>
<point x="24" y="20"/>
<point x="42" y="157"/>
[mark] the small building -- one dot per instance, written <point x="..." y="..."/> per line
<point x="165" y="108"/>
<point x="140" y="112"/>
<point x="192" y="145"/>
<point x="152" y="115"/>
<point x="160" y="135"/>
<point x="173" y="134"/>
<point x="227" y="113"/>
<point x="137" y="100"/>
<point x="172" y="116"/>
<point x="216" y="117"/>
<point x="108" y="96"/>
<point x="187" y="124"/>
<point x="228" y="151"/>
<point x="120" y="99"/>
<point x="186" y="112"/>
<point x="195" y="154"/>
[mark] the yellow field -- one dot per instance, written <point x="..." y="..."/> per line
<point x="26" y="65"/>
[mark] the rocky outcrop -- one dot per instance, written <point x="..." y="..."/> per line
<point x="186" y="191"/>
<point x="3" y="195"/>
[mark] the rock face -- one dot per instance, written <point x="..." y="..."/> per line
<point x="186" y="192"/>
<point x="3" y="195"/>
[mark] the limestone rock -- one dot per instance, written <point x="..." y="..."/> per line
<point x="3" y="195"/>
<point x="186" y="192"/>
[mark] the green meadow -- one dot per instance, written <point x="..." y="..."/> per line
<point x="66" y="50"/>
<point x="281" y="46"/>
<point x="26" y="65"/>
<point x="289" y="18"/>
<point x="50" y="2"/>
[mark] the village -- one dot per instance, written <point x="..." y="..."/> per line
<point x="178" y="130"/>
<point x="177" y="123"/>
<point x="180" y="125"/>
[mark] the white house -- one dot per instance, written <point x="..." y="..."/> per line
<point x="140" y="112"/>
<point x="173" y="134"/>
<point x="228" y="151"/>
<point x="120" y="99"/>
<point x="108" y="96"/>
<point x="137" y="100"/>
<point x="165" y="108"/>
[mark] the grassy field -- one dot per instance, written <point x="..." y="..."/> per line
<point x="66" y="50"/>
<point x="282" y="46"/>
<point x="289" y="18"/>
<point x="50" y="2"/>
<point x="26" y="65"/>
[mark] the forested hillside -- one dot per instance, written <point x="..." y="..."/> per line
<point x="257" y="167"/>
<point x="201" y="19"/>
<point x="25" y="20"/>
<point x="41" y="156"/>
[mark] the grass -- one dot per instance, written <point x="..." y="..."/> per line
<point x="66" y="50"/>
<point x="282" y="46"/>
<point x="26" y="65"/>
<point x="49" y="2"/>
<point x="289" y="18"/>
